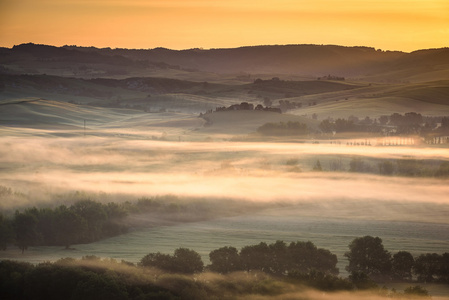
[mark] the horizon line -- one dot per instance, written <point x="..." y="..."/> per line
<point x="220" y="48"/>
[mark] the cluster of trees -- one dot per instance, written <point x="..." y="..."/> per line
<point x="83" y="222"/>
<point x="367" y="256"/>
<point x="246" y="106"/>
<point x="277" y="259"/>
<point x="283" y="129"/>
<point x="184" y="261"/>
<point x="286" y="105"/>
<point x="340" y="125"/>
<point x="331" y="77"/>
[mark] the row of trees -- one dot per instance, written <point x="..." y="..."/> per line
<point x="398" y="167"/>
<point x="368" y="260"/>
<point x="396" y="124"/>
<point x="276" y="259"/>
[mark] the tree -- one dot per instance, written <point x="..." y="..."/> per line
<point x="443" y="271"/>
<point x="70" y="226"/>
<point x="255" y="257"/>
<point x="402" y="264"/>
<point x="183" y="261"/>
<point x="26" y="229"/>
<point x="225" y="260"/>
<point x="317" y="166"/>
<point x="361" y="280"/>
<point x="427" y="267"/>
<point x="46" y="226"/>
<point x="343" y="125"/>
<point x="367" y="255"/>
<point x="326" y="126"/>
<point x="157" y="260"/>
<point x="95" y="216"/>
<point x="280" y="261"/>
<point x="187" y="261"/>
<point x="6" y="232"/>
<point x="383" y="120"/>
<point x="305" y="256"/>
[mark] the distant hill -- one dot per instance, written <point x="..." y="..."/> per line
<point x="166" y="90"/>
<point x="300" y="60"/>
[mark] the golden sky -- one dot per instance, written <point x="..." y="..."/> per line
<point x="404" y="25"/>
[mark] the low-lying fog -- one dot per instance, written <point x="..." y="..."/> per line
<point x="38" y="167"/>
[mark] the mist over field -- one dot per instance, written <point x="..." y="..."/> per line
<point x="238" y="170"/>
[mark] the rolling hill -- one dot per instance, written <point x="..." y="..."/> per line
<point x="295" y="60"/>
<point x="164" y="91"/>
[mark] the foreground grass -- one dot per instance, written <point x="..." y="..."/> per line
<point x="93" y="278"/>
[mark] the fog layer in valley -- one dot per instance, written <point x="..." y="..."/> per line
<point x="41" y="167"/>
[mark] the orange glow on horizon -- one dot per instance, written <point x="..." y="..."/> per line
<point x="390" y="25"/>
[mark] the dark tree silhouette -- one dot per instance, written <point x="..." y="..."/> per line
<point x="427" y="267"/>
<point x="26" y="229"/>
<point x="187" y="261"/>
<point x="317" y="166"/>
<point x="305" y="256"/>
<point x="183" y="261"/>
<point x="70" y="226"/>
<point x="367" y="255"/>
<point x="6" y="232"/>
<point x="95" y="216"/>
<point x="402" y="264"/>
<point x="255" y="257"/>
<point x="225" y="260"/>
<point x="158" y="260"/>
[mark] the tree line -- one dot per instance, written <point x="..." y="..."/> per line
<point x="276" y="259"/>
<point x="262" y="269"/>
<point x="367" y="257"/>
<point x="389" y="167"/>
<point x="85" y="221"/>
<point x="394" y="124"/>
